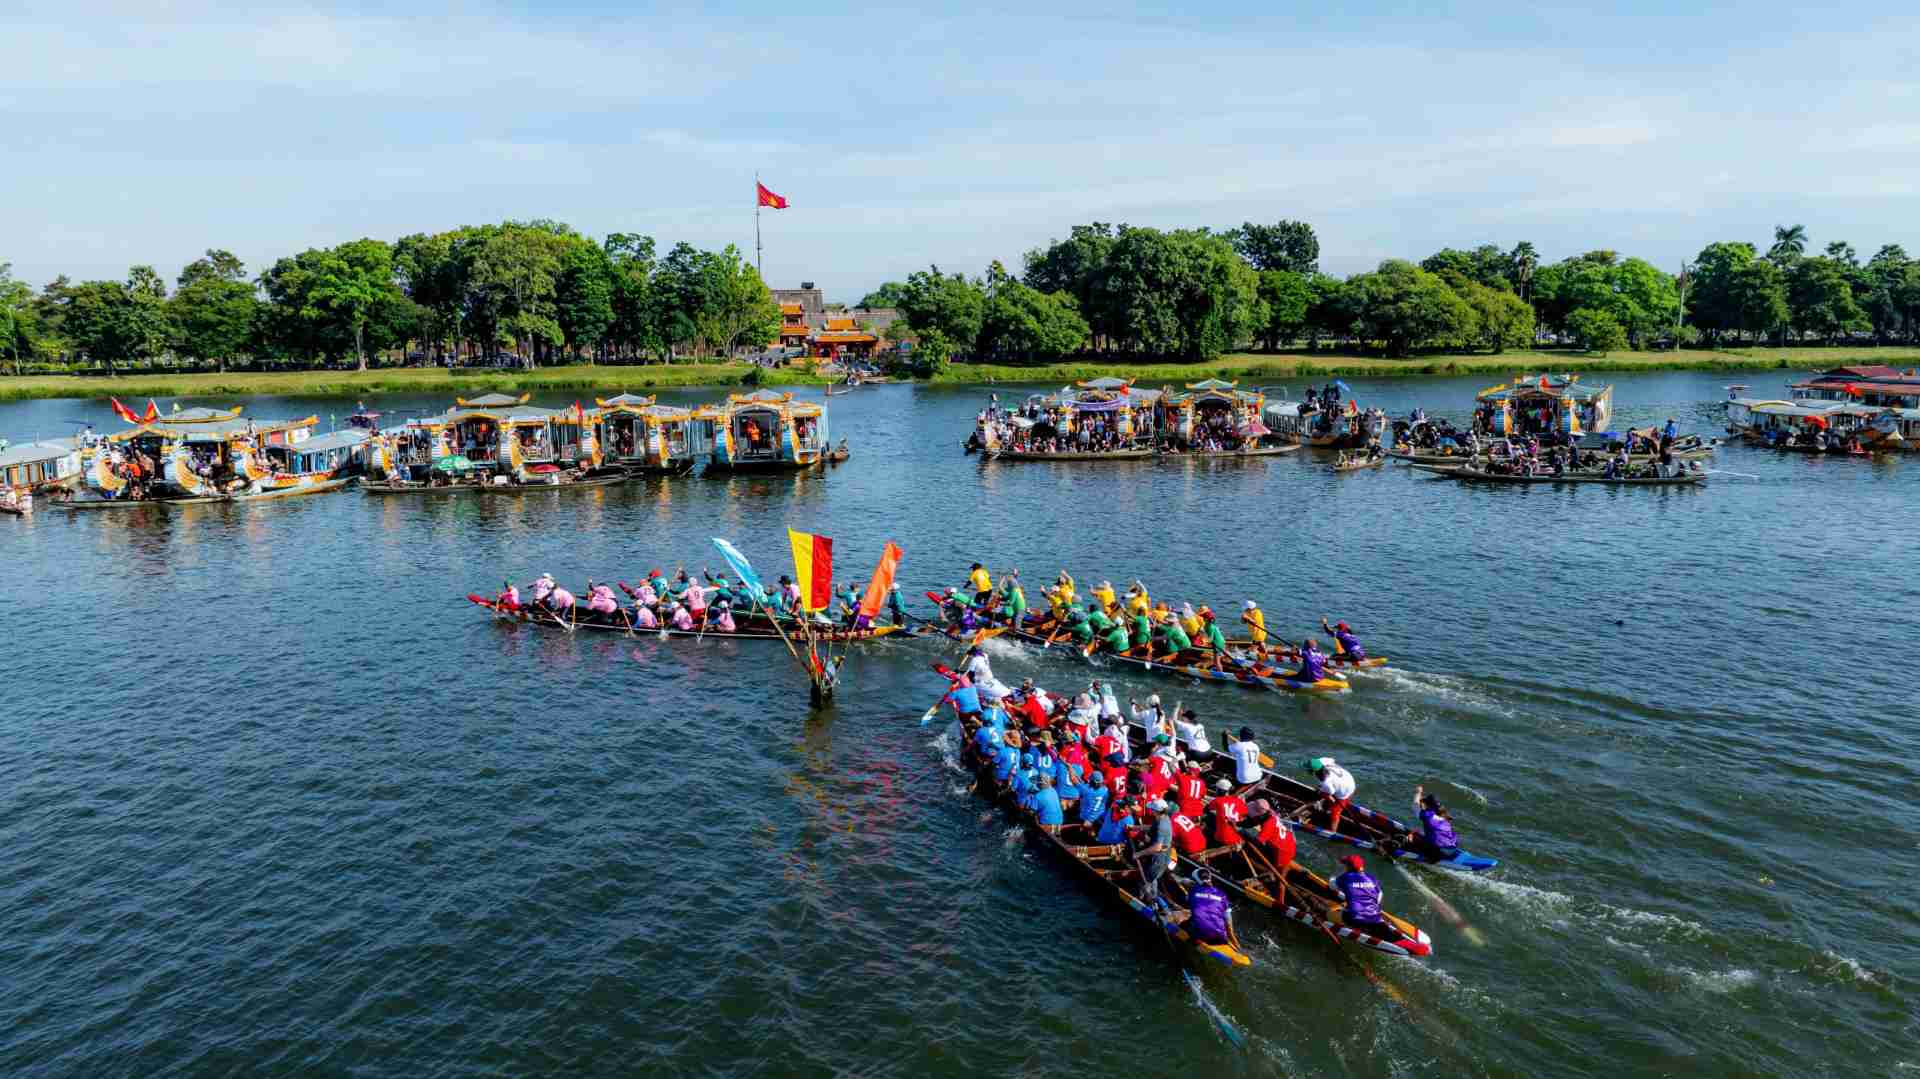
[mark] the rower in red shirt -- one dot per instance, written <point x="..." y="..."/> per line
<point x="1191" y="790"/>
<point x="1229" y="809"/>
<point x="1032" y="712"/>
<point x="1187" y="836"/>
<point x="1275" y="838"/>
<point x="1116" y="776"/>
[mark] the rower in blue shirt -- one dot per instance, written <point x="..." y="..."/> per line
<point x="1023" y="778"/>
<point x="986" y="742"/>
<point x="1093" y="798"/>
<point x="1006" y="762"/>
<point x="1046" y="805"/>
<point x="1113" y="829"/>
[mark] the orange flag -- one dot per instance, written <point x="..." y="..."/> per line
<point x="768" y="198"/>
<point x="882" y="580"/>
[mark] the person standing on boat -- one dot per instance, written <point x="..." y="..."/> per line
<point x="1336" y="789"/>
<point x="1212" y="918"/>
<point x="982" y="584"/>
<point x="1156" y="856"/>
<point x="895" y="611"/>
<point x="1229" y="809"/>
<point x="1346" y="644"/>
<point x="1361" y="892"/>
<point x="1015" y="599"/>
<point x="1436" y="839"/>
<point x="1246" y="759"/>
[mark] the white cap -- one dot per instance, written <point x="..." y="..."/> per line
<point x="1223" y="785"/>
<point x="1251" y="605"/>
<point x="1154" y="699"/>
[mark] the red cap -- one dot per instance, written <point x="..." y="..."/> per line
<point x="1341" y="625"/>
<point x="1355" y="862"/>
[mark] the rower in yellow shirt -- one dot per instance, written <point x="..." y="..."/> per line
<point x="982" y="584"/>
<point x="1190" y="621"/>
<point x="1103" y="592"/>
<point x="1256" y="620"/>
<point x="1137" y="601"/>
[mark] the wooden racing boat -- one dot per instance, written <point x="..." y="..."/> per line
<point x="1037" y="631"/>
<point x="493" y="489"/>
<point x="1071" y="455"/>
<point x="1355" y="466"/>
<point x="128" y="503"/>
<point x="1474" y="475"/>
<point x="1112" y="871"/>
<point x="1257" y="451"/>
<point x="1360" y="826"/>
<point x="1307" y="898"/>
<point x="755" y="628"/>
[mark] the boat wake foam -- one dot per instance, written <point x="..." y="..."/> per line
<point x="1829" y="964"/>
<point x="1717" y="981"/>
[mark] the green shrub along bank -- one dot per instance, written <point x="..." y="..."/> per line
<point x="606" y="380"/>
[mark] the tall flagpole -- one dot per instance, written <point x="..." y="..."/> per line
<point x="759" y="259"/>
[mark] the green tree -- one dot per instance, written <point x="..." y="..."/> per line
<point x="1403" y="307"/>
<point x="1789" y="243"/>
<point x="1185" y="293"/>
<point x="1287" y="297"/>
<point x="1906" y="296"/>
<point x="1022" y="323"/>
<point x="1521" y="262"/>
<point x="1882" y="276"/>
<point x="1760" y="293"/>
<point x="1331" y="309"/>
<point x="886" y="296"/>
<point x="1284" y="245"/>
<point x="740" y="309"/>
<point x="631" y="258"/>
<point x="1820" y="298"/>
<point x="19" y="322"/>
<point x="113" y="321"/>
<point x="1074" y="266"/>
<point x="943" y="311"/>
<point x="1596" y="330"/>
<point x="516" y="271"/>
<point x="352" y="286"/>
<point x="1715" y="302"/>
<point x="1486" y="265"/>
<point x="213" y="308"/>
<point x="1501" y="320"/>
<point x="583" y="296"/>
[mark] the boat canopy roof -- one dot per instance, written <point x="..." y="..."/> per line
<point x="625" y="401"/>
<point x="492" y="400"/>
<point x="211" y="430"/>
<point x="770" y="399"/>
<point x="1541" y="387"/>
<point x="1800" y="409"/>
<point x="25" y="453"/>
<point x="511" y="414"/>
<point x="201" y="415"/>
<point x="336" y="440"/>
<point x="1105" y="382"/>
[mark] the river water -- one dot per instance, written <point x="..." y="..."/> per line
<point x="275" y="800"/>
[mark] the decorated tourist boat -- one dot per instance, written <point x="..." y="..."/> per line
<point x="763" y="430"/>
<point x="1212" y="418"/>
<point x="322" y="463"/>
<point x="495" y="440"/>
<point x="638" y="434"/>
<point x="1101" y="419"/>
<point x="52" y="464"/>
<point x="1540" y="404"/>
<point x="191" y="454"/>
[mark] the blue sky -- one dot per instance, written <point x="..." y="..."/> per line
<point x="147" y="132"/>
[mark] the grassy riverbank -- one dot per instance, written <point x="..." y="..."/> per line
<point x="603" y="380"/>
<point x="1257" y="367"/>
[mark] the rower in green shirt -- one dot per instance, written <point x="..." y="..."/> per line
<point x="1142" y="631"/>
<point x="1098" y="619"/>
<point x="1177" y="639"/>
<point x="1216" y="640"/>
<point x="1081" y="627"/>
<point x="1116" y="639"/>
<point x="1016" y="600"/>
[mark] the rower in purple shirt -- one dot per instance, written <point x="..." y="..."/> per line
<point x="1347" y="646"/>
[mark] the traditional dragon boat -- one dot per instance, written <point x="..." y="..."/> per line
<point x="1533" y="404"/>
<point x="1214" y="418"/>
<point x="323" y="463"/>
<point x="751" y="627"/>
<point x="639" y="434"/>
<point x="1476" y="475"/>
<point x="1360" y="827"/>
<point x="195" y="453"/>
<point x="1110" y="412"/>
<point x="765" y="430"/>
<point x="1113" y="873"/>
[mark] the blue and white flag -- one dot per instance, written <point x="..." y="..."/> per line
<point x="741" y="566"/>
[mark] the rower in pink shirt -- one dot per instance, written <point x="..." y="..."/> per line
<point x="681" y="619"/>
<point x="543" y="588"/>
<point x="560" y="599"/>
<point x="600" y="599"/>
<point x="643" y="617"/>
<point x="696" y="600"/>
<point x="724" y="621"/>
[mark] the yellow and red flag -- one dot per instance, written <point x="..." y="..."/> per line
<point x="123" y="411"/>
<point x="812" y="569"/>
<point x="882" y="580"/>
<point x="768" y="198"/>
